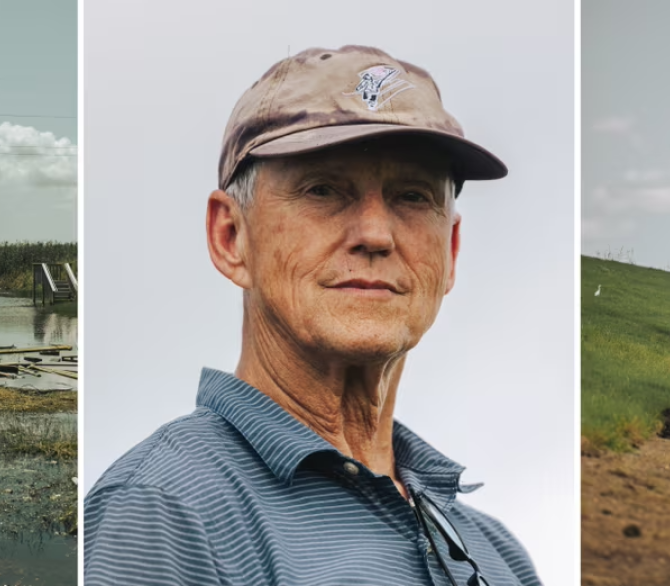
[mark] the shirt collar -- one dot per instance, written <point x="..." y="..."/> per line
<point x="426" y="470"/>
<point x="276" y="436"/>
<point x="283" y="442"/>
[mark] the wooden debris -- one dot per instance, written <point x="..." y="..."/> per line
<point x="29" y="364"/>
<point x="33" y="349"/>
<point x="66" y="373"/>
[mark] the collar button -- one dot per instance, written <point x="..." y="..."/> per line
<point x="350" y="468"/>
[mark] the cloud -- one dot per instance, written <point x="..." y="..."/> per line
<point x="629" y="197"/>
<point x="606" y="229"/>
<point x="612" y="212"/>
<point x="29" y="157"/>
<point x="622" y="126"/>
<point x="614" y="125"/>
<point x="650" y="199"/>
<point x="644" y="175"/>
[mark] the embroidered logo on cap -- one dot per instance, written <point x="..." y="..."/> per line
<point x="379" y="84"/>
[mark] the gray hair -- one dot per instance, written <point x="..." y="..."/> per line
<point x="243" y="186"/>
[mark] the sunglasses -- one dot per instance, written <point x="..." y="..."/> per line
<point x="435" y="524"/>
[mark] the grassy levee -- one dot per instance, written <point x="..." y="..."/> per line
<point x="17" y="258"/>
<point x="625" y="353"/>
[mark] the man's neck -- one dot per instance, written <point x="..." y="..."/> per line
<point x="349" y="405"/>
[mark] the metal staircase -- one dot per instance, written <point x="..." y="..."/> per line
<point x="56" y="280"/>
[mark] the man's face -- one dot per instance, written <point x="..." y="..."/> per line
<point x="351" y="250"/>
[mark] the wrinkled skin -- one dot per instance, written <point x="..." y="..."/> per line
<point x="345" y="256"/>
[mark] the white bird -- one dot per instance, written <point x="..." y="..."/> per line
<point x="597" y="293"/>
<point x="75" y="480"/>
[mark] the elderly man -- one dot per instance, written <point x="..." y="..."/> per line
<point x="336" y="217"/>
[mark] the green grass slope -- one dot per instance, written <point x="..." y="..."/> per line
<point x="625" y="352"/>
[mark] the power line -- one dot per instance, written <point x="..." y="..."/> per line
<point x="35" y="116"/>
<point x="36" y="146"/>
<point x="33" y="155"/>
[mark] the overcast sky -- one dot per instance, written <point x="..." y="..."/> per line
<point x="626" y="130"/>
<point x="38" y="120"/>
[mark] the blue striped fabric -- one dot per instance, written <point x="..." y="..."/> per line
<point x="241" y="493"/>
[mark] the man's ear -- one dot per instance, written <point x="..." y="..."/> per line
<point x="454" y="249"/>
<point x="227" y="238"/>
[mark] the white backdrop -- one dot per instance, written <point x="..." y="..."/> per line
<point x="160" y="79"/>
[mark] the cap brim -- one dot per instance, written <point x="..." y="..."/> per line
<point x="469" y="160"/>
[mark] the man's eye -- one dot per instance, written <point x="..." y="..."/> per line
<point x="321" y="190"/>
<point x="414" y="196"/>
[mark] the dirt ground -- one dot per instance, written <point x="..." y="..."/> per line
<point x="626" y="517"/>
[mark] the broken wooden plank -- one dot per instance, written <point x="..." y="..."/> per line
<point x="66" y="373"/>
<point x="33" y="349"/>
<point x="47" y="364"/>
<point x="29" y="371"/>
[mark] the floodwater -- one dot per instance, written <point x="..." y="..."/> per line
<point x="34" y="560"/>
<point x="22" y="325"/>
<point x="35" y="548"/>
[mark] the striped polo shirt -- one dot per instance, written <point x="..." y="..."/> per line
<point x="241" y="493"/>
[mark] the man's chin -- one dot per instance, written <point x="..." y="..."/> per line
<point x="362" y="346"/>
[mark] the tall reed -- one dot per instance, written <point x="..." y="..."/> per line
<point x="17" y="258"/>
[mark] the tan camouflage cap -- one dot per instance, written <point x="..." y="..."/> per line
<point x="322" y="97"/>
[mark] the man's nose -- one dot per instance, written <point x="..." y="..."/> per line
<point x="371" y="226"/>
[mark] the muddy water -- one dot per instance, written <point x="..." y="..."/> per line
<point x="34" y="491"/>
<point x="36" y="559"/>
<point x="22" y="325"/>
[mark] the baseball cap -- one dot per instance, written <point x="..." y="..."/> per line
<point x="322" y="97"/>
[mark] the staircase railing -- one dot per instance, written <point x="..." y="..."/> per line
<point x="71" y="278"/>
<point x="46" y="275"/>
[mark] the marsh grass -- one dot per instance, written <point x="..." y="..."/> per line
<point x="17" y="258"/>
<point x="625" y="353"/>
<point x="29" y="434"/>
<point x="38" y="498"/>
<point x="29" y="424"/>
<point x="13" y="401"/>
